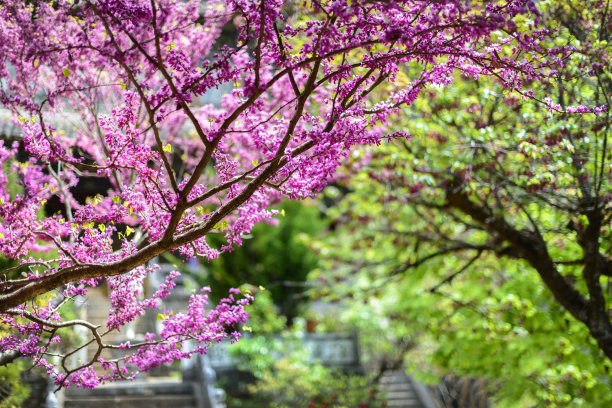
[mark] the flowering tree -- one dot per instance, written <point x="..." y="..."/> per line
<point x="133" y="72"/>
<point x="495" y="238"/>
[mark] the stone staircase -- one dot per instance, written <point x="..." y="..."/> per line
<point x="403" y="392"/>
<point x="149" y="393"/>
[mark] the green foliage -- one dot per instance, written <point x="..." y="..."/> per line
<point x="495" y="320"/>
<point x="445" y="293"/>
<point x="294" y="383"/>
<point x="264" y="318"/>
<point x="12" y="390"/>
<point x="284" y="376"/>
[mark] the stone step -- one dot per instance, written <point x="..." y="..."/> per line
<point x="399" y="391"/>
<point x="405" y="394"/>
<point x="403" y="404"/>
<point x="399" y="386"/>
<point x="394" y="378"/>
<point x="127" y="401"/>
<point x="138" y="388"/>
<point x="394" y="383"/>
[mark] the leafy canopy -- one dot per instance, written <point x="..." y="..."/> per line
<point x="486" y="238"/>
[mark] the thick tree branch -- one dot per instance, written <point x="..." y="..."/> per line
<point x="532" y="248"/>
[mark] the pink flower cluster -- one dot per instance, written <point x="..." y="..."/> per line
<point x="200" y="326"/>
